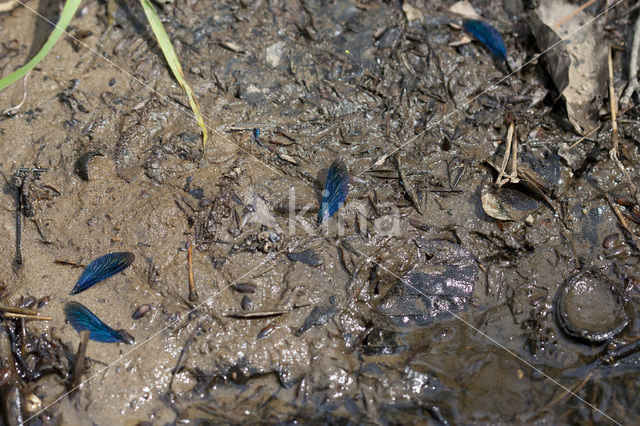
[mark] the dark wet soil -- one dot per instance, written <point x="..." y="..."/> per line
<point x="414" y="306"/>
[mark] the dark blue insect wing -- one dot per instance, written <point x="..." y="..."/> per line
<point x="82" y="318"/>
<point x="336" y="189"/>
<point x="488" y="35"/>
<point x="102" y="268"/>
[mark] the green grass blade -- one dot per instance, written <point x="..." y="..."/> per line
<point x="174" y="62"/>
<point x="70" y="8"/>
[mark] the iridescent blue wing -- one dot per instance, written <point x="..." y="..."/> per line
<point x="488" y="35"/>
<point x="82" y="318"/>
<point x="102" y="268"/>
<point x="336" y="189"/>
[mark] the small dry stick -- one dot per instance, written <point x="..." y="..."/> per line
<point x="584" y="137"/>
<point x="26" y="316"/>
<point x="183" y="351"/>
<point x="507" y="153"/>
<point x="633" y="67"/>
<point x="193" y="293"/>
<point x="78" y="365"/>
<point x="16" y="310"/>
<point x="566" y="393"/>
<point x="572" y="14"/>
<point x="511" y="151"/>
<point x="613" y="105"/>
<point x="621" y="219"/>
<point x="613" y="153"/>
<point x="514" y="157"/>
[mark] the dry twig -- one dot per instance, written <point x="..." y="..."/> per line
<point x="511" y="151"/>
<point x="623" y="222"/>
<point x="566" y="393"/>
<point x="613" y="153"/>
<point x="573" y="145"/>
<point x="26" y="316"/>
<point x="78" y="365"/>
<point x="572" y="14"/>
<point x="632" y="86"/>
<point x="193" y="293"/>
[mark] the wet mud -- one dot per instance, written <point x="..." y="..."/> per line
<point x="412" y="305"/>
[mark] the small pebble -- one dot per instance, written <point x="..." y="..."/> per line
<point x="266" y="331"/>
<point x="32" y="403"/>
<point x="618" y="251"/>
<point x="245" y="288"/>
<point x="624" y="201"/>
<point x="246" y="303"/>
<point x="43" y="302"/>
<point x="27" y="302"/>
<point x="141" y="311"/>
<point x="609" y="240"/>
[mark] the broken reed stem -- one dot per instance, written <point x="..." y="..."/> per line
<point x="613" y="105"/>
<point x="621" y="219"/>
<point x="514" y="158"/>
<point x="25" y="316"/>
<point x="509" y="152"/>
<point x="615" y="141"/>
<point x="16" y="310"/>
<point x="572" y="14"/>
<point x="566" y="393"/>
<point x="584" y="137"/>
<point x="78" y="365"/>
<point x="632" y="85"/>
<point x="193" y="293"/>
<point x="18" y="258"/>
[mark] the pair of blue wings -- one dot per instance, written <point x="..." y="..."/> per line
<point x="82" y="318"/>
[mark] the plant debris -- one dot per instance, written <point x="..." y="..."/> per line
<point x="577" y="66"/>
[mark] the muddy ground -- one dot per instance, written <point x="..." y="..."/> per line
<point x="322" y="80"/>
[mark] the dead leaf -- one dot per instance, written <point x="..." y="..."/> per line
<point x="412" y="13"/>
<point x="506" y="203"/>
<point x="578" y="66"/>
<point x="464" y="9"/>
